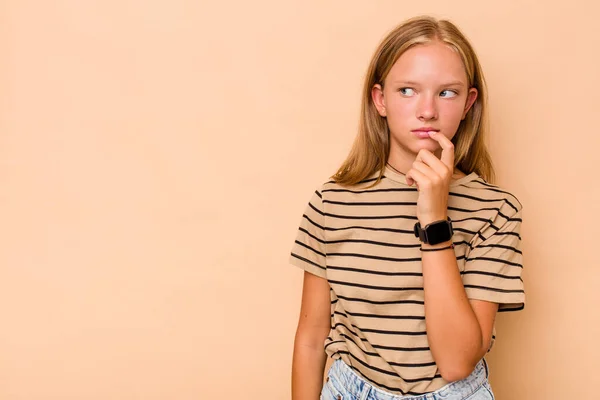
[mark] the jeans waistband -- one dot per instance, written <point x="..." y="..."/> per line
<point x="361" y="389"/>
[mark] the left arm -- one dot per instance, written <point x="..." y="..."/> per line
<point x="459" y="330"/>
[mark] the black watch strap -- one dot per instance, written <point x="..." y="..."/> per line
<point x="435" y="232"/>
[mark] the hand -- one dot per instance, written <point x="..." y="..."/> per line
<point x="432" y="177"/>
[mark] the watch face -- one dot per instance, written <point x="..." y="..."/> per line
<point x="439" y="232"/>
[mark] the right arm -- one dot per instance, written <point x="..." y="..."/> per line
<point x="309" y="358"/>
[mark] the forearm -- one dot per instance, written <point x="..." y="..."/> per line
<point x="308" y="366"/>
<point x="453" y="331"/>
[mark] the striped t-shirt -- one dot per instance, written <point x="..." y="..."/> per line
<point x="361" y="240"/>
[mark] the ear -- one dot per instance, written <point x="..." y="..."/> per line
<point x="471" y="97"/>
<point x="378" y="100"/>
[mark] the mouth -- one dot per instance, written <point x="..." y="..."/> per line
<point x="423" y="133"/>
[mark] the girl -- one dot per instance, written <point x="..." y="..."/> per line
<point x="409" y="251"/>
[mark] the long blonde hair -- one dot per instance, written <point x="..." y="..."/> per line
<point x="371" y="148"/>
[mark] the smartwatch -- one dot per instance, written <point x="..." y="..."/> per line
<point x="435" y="232"/>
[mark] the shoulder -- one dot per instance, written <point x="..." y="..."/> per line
<point x="370" y="183"/>
<point x="483" y="191"/>
<point x="334" y="194"/>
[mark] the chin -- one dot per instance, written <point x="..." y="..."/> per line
<point x="429" y="144"/>
<point x="413" y="145"/>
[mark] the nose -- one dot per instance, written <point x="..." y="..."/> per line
<point x="427" y="107"/>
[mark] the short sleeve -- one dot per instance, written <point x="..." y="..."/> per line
<point x="494" y="265"/>
<point x="308" y="251"/>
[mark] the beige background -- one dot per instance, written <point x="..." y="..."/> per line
<point x="156" y="157"/>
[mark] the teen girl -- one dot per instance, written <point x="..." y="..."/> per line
<point x="409" y="251"/>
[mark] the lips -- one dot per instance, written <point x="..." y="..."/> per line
<point x="426" y="129"/>
<point x="423" y="133"/>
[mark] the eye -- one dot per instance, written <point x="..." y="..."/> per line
<point x="448" y="93"/>
<point x="407" y="91"/>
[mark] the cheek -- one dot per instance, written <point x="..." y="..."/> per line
<point x="451" y="114"/>
<point x="399" y="112"/>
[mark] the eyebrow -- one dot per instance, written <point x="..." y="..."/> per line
<point x="411" y="83"/>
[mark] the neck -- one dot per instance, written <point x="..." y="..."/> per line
<point x="456" y="174"/>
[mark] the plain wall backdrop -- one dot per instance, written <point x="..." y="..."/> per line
<point x="156" y="158"/>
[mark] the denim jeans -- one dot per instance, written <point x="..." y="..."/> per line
<point x="343" y="383"/>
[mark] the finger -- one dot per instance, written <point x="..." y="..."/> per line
<point x="425" y="170"/>
<point x="447" y="148"/>
<point x="434" y="163"/>
<point x="410" y="180"/>
<point x="420" y="178"/>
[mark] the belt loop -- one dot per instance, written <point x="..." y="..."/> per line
<point x="487" y="373"/>
<point x="364" y="395"/>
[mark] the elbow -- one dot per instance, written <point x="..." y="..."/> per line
<point x="455" y="372"/>
<point x="456" y="367"/>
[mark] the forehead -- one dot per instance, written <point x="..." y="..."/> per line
<point x="433" y="62"/>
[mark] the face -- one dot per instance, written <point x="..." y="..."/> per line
<point x="426" y="89"/>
